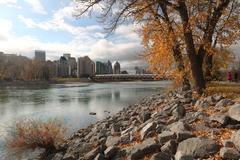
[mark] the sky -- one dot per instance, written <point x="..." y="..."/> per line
<point x="27" y="25"/>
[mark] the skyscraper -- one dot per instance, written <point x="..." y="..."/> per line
<point x="104" y="68"/>
<point x="85" y="67"/>
<point x="62" y="67"/>
<point x="117" y="68"/>
<point x="40" y="55"/>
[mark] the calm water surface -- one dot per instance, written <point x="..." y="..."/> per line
<point x="73" y="102"/>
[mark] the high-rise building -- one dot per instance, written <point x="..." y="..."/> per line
<point x="72" y="66"/>
<point x="109" y="67"/>
<point x="85" y="67"/>
<point x="67" y="55"/>
<point x="117" y="68"/>
<point x="40" y="55"/>
<point x="100" y="68"/>
<point x="104" y="68"/>
<point x="62" y="67"/>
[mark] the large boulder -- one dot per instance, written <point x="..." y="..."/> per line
<point x="161" y="156"/>
<point x="220" y="118"/>
<point x="197" y="147"/>
<point x="166" y="136"/>
<point x="179" y="112"/>
<point x="92" y="154"/>
<point x="170" y="147"/>
<point x="148" y="128"/>
<point x="224" y="103"/>
<point x="229" y="153"/>
<point x="145" y="116"/>
<point x="181" y="156"/>
<point x="178" y="127"/>
<point x="110" y="152"/>
<point x="236" y="139"/>
<point x="148" y="146"/>
<point x="112" y="141"/>
<point x="234" y="112"/>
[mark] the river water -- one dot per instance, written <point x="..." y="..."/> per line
<point x="73" y="102"/>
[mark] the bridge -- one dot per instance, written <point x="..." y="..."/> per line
<point x="125" y="77"/>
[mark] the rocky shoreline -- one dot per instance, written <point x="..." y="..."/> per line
<point x="175" y="125"/>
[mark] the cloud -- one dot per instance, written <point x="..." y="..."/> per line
<point x="6" y="26"/>
<point x="10" y="3"/>
<point x="37" y="6"/>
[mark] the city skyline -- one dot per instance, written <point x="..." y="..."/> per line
<point x="28" y="25"/>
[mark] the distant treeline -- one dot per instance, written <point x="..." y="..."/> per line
<point x="14" y="67"/>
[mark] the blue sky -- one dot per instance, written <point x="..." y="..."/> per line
<point x="49" y="25"/>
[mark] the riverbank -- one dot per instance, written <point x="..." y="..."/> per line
<point x="161" y="127"/>
<point x="13" y="83"/>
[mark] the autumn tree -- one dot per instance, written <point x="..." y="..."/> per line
<point x="185" y="28"/>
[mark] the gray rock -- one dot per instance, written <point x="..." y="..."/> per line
<point x="197" y="147"/>
<point x="110" y="152"/>
<point x="186" y="100"/>
<point x="228" y="143"/>
<point x="124" y="139"/>
<point x="100" y="156"/>
<point x="166" y="136"/>
<point x="160" y="127"/>
<point x="92" y="154"/>
<point x="236" y="139"/>
<point x="184" y="135"/>
<point x="202" y="103"/>
<point x="102" y="134"/>
<point x="217" y="98"/>
<point x="178" y="127"/>
<point x="58" y="156"/>
<point x="229" y="153"/>
<point x="179" y="112"/>
<point x="115" y="128"/>
<point x="112" y="141"/>
<point x="224" y="103"/>
<point x="69" y="156"/>
<point x="220" y="118"/>
<point x="180" y="156"/>
<point x="145" y="116"/>
<point x="145" y="130"/>
<point x="161" y="156"/>
<point x="234" y="112"/>
<point x="148" y="146"/>
<point x="170" y="147"/>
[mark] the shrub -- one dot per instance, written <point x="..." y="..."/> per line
<point x="31" y="134"/>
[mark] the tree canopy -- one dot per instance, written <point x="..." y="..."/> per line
<point x="178" y="35"/>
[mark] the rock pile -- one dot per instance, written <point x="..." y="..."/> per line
<point x="171" y="126"/>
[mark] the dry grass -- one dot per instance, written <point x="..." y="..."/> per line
<point x="227" y="89"/>
<point x="31" y="134"/>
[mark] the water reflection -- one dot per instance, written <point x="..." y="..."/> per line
<point x="73" y="102"/>
<point x="116" y="95"/>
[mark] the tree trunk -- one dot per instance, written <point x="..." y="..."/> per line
<point x="181" y="68"/>
<point x="176" y="51"/>
<point x="195" y="60"/>
<point x="208" y="67"/>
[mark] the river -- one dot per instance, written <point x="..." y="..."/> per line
<point x="72" y="103"/>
